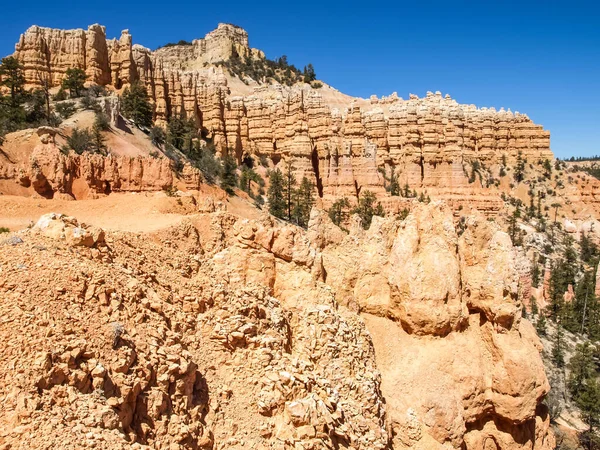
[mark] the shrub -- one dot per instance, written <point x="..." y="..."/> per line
<point x="209" y="165"/>
<point x="97" y="91"/>
<point x="60" y="95"/>
<point x="101" y="122"/>
<point x="157" y="136"/>
<point x="4" y="230"/>
<point x="54" y="120"/>
<point x="65" y="109"/>
<point x="229" y="175"/>
<point x="79" y="141"/>
<point x="90" y="103"/>
<point x="117" y="332"/>
<point x="316" y="85"/>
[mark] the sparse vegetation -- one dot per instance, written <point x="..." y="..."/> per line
<point x="79" y="141"/>
<point x="136" y="106"/>
<point x="65" y="109"/>
<point x="174" y="44"/>
<point x="263" y="69"/>
<point x="74" y="81"/>
<point x="367" y="208"/>
<point x="338" y="213"/>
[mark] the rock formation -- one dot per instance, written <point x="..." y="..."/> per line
<point x="51" y="173"/>
<point x="231" y="333"/>
<point x="428" y="142"/>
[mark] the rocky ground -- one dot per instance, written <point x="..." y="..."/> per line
<point x="228" y="332"/>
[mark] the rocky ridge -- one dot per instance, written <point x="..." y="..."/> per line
<point x="427" y="142"/>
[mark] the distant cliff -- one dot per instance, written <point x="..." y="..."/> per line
<point x="427" y="142"/>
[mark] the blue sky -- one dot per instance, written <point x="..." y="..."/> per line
<point x="540" y="58"/>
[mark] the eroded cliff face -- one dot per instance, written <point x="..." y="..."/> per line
<point x="459" y="366"/>
<point x="343" y="144"/>
<point x="51" y="174"/>
<point x="225" y="332"/>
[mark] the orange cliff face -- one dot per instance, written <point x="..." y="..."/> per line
<point x="343" y="144"/>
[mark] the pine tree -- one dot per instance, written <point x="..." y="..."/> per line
<point x="558" y="351"/>
<point x="534" y="307"/>
<point x="519" y="168"/>
<point x="531" y="210"/>
<point x="289" y="188"/>
<point x="338" y="211"/>
<point x="12" y="77"/>
<point x="366" y="209"/>
<point x="582" y="368"/>
<point x="74" y="81"/>
<point x="309" y="74"/>
<point x="98" y="142"/>
<point x="275" y="194"/>
<point x="303" y="202"/>
<point x="248" y="176"/>
<point x="588" y="401"/>
<point x="589" y="251"/>
<point x="394" y="186"/>
<point x="513" y="230"/>
<point x="547" y="168"/>
<point x="535" y="272"/>
<point x="540" y="325"/>
<point x="135" y="105"/>
<point x="229" y="174"/>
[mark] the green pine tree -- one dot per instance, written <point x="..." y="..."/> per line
<point x="304" y="200"/>
<point x="558" y="351"/>
<point x="366" y="209"/>
<point x="275" y="194"/>
<point x="540" y="325"/>
<point x="135" y="105"/>
<point x="13" y="78"/>
<point x="289" y="189"/>
<point x="229" y="174"/>
<point x="338" y="212"/>
<point x="74" y="81"/>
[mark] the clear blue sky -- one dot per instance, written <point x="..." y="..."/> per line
<point x="541" y="58"/>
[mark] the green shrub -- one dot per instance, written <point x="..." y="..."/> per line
<point x="209" y="165"/>
<point x="101" y="122"/>
<point x="65" y="109"/>
<point x="97" y="91"/>
<point x="90" y="103"/>
<point x="60" y="95"/>
<point x="79" y="141"/>
<point x="4" y="230"/>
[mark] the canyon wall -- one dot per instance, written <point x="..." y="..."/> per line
<point x="428" y="142"/>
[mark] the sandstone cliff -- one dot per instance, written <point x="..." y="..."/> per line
<point x="344" y="144"/>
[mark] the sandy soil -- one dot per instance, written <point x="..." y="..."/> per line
<point x="136" y="212"/>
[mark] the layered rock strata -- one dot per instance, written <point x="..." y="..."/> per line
<point x="428" y="142"/>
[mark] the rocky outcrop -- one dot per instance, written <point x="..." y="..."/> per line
<point x="227" y="330"/>
<point x="428" y="143"/>
<point x="460" y="367"/>
<point x="51" y="173"/>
